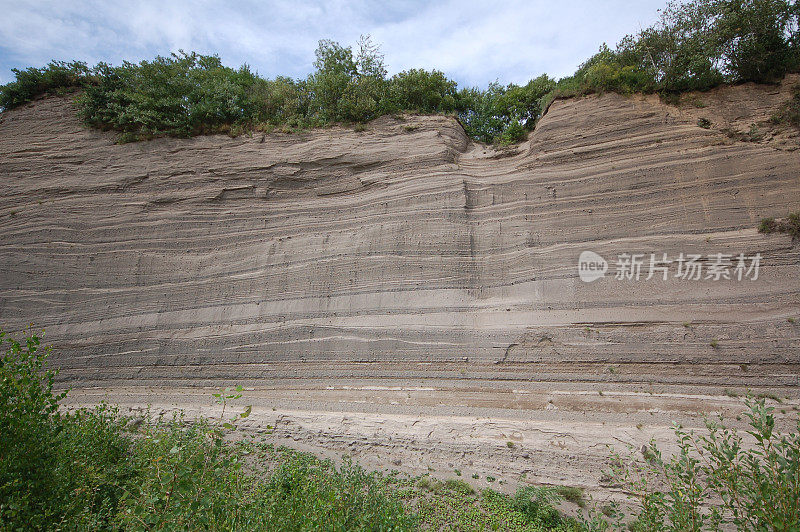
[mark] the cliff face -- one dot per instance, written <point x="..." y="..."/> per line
<point x="405" y="250"/>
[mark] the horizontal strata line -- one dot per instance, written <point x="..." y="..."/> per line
<point x="521" y="210"/>
<point x="558" y="378"/>
<point x="244" y="370"/>
<point x="282" y="320"/>
<point x="291" y="323"/>
<point x="602" y="358"/>
<point x="521" y="250"/>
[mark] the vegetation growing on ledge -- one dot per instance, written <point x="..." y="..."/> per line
<point x="790" y="225"/>
<point x="694" y="46"/>
<point x="789" y="112"/>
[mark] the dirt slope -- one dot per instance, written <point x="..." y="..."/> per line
<point x="407" y="296"/>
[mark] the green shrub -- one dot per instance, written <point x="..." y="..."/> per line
<point x="513" y="132"/>
<point x="86" y="471"/>
<point x="92" y="466"/>
<point x="184" y="477"/>
<point x="793" y="223"/>
<point x="335" y="70"/>
<point x="572" y="494"/>
<point x="790" y="225"/>
<point x="305" y="493"/>
<point x="181" y="95"/>
<point x="767" y="226"/>
<point x="422" y="90"/>
<point x="789" y="112"/>
<point x="757" y="40"/>
<point x="537" y="504"/>
<point x="29" y="442"/>
<point x="717" y="480"/>
<point x="523" y="104"/>
<point x="45" y="455"/>
<point x="503" y="114"/>
<point x="57" y="76"/>
<point x="460" y="486"/>
<point x="478" y="112"/>
<point x="695" y="45"/>
<point x="348" y="87"/>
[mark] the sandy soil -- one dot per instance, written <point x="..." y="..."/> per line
<point x="562" y="434"/>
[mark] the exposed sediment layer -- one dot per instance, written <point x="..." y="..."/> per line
<point x="406" y="253"/>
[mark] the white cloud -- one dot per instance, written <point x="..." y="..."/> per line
<point x="474" y="42"/>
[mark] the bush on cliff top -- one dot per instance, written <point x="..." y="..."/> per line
<point x="57" y="77"/>
<point x="695" y="45"/>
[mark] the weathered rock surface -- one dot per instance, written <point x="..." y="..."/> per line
<point x="303" y="263"/>
<point x="215" y="258"/>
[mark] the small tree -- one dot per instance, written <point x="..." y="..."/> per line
<point x="428" y="91"/>
<point x="28" y="434"/>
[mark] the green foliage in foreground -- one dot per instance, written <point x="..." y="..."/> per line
<point x="95" y="470"/>
<point x="455" y="505"/>
<point x="695" y="45"/>
<point x="714" y="479"/>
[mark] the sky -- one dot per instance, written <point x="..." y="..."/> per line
<point x="473" y="42"/>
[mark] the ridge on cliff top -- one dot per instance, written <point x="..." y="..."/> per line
<point x="696" y="45"/>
